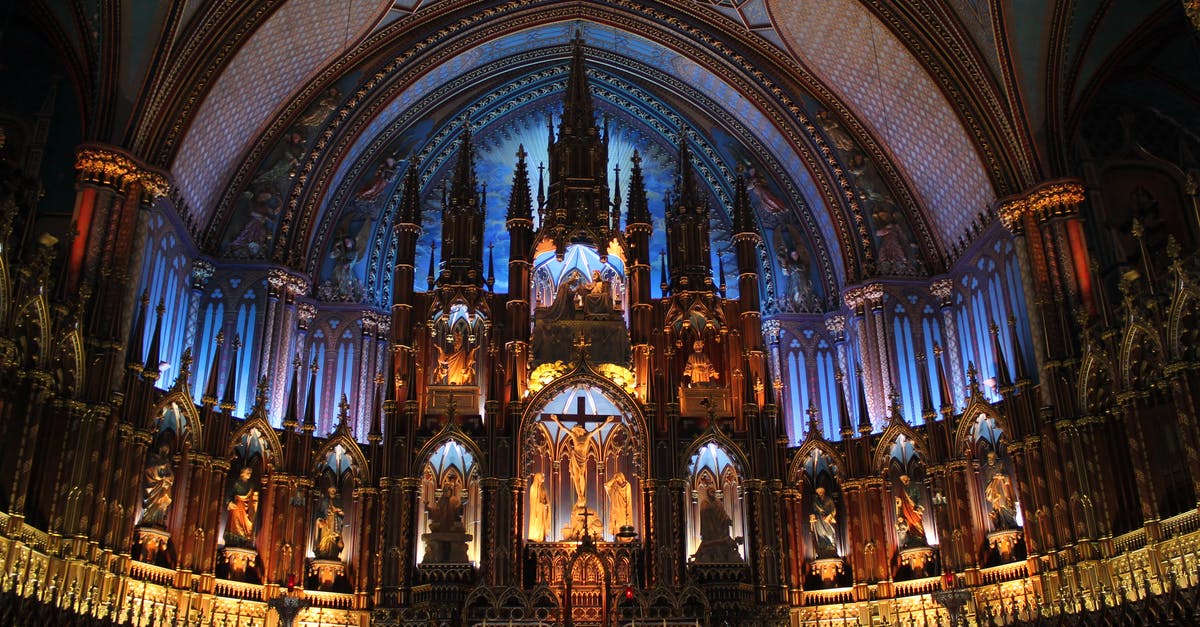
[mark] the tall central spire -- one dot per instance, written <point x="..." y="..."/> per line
<point x="578" y="117"/>
<point x="578" y="205"/>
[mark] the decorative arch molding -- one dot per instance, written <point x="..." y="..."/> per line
<point x="795" y="472"/>
<point x="70" y="361"/>
<point x="737" y="456"/>
<point x="272" y="448"/>
<point x="883" y="449"/>
<point x="1097" y="364"/>
<point x="583" y="373"/>
<point x="1130" y="345"/>
<point x="181" y="397"/>
<point x="1186" y="302"/>
<point x="359" y="468"/>
<point x="977" y="405"/>
<point x="450" y="433"/>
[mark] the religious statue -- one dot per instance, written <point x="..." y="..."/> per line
<point x="620" y="497"/>
<point x="447" y="538"/>
<point x="717" y="545"/>
<point x="242" y="506"/>
<point x="456" y="367"/>
<point x="910" y="523"/>
<point x="598" y="300"/>
<point x="329" y="526"/>
<point x="999" y="494"/>
<point x="159" y="478"/>
<point x="699" y="371"/>
<point x="567" y="301"/>
<point x="823" y="522"/>
<point x="581" y="439"/>
<point x="539" y="508"/>
<point x="446" y="513"/>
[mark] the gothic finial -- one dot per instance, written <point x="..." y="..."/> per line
<point x="185" y="367"/>
<point x="814" y="423"/>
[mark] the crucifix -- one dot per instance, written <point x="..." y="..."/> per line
<point x="585" y="515"/>
<point x="581" y="438"/>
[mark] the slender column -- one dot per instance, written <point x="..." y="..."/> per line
<point x="516" y="487"/>
<point x="943" y="291"/>
<point x="492" y="518"/>
<point x="201" y="273"/>
<point x="39" y="391"/>
<point x="649" y="532"/>
<point x="1128" y="402"/>
<point x="677" y="493"/>
<point x="856" y="301"/>
<point x="882" y="333"/>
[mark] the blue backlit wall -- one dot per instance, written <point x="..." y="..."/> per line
<point x="164" y="278"/>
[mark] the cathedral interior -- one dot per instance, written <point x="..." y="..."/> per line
<point x="602" y="312"/>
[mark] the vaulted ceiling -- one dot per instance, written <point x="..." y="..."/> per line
<point x="863" y="123"/>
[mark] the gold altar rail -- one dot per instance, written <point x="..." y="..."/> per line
<point x="1004" y="572"/>
<point x="334" y="600"/>
<point x="1186" y="522"/>
<point x="238" y="590"/>
<point x="1131" y="541"/>
<point x="154" y="574"/>
<point x="913" y="587"/>
<point x="833" y="596"/>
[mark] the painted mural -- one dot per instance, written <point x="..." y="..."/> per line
<point x="896" y="250"/>
<point x="250" y="233"/>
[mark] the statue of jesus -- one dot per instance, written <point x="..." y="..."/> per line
<point x="580" y="439"/>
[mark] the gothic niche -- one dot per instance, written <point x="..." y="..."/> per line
<point x="158" y="487"/>
<point x="582" y="480"/>
<point x="449" y="510"/>
<point x="999" y="494"/>
<point x="456" y="337"/>
<point x="822" y="497"/>
<point x="334" y="496"/>
<point x="579" y="295"/>
<point x="716" y="527"/>
<point x="905" y="476"/>
<point x="241" y="516"/>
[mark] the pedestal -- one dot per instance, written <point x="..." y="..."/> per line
<point x="1004" y="542"/>
<point x="446" y="547"/>
<point x="239" y="561"/>
<point x="917" y="559"/>
<point x="153" y="542"/>
<point x="828" y="569"/>
<point x="327" y="572"/>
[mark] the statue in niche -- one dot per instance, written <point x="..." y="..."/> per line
<point x="159" y="478"/>
<point x="620" y="497"/>
<point x="330" y="519"/>
<point x="910" y="512"/>
<point x="717" y="545"/>
<point x="456" y="366"/>
<point x="999" y="494"/>
<point x="823" y="522"/>
<point x="598" y="301"/>
<point x="446" y="541"/>
<point x="699" y="370"/>
<point x="568" y="301"/>
<point x="447" y="512"/>
<point x="243" y="507"/>
<point x="539" y="508"/>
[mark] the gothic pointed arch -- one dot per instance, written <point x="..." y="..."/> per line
<point x="975" y="408"/>
<point x="1097" y="386"/>
<point x="1142" y="356"/>
<point x="1183" y="331"/>
<point x="180" y="400"/>
<point x="33" y="332"/>
<point x="807" y="448"/>
<point x="341" y="437"/>
<point x="258" y="428"/>
<point x="887" y="439"/>
<point x="69" y="362"/>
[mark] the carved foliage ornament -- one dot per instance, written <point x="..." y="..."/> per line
<point x="1045" y="201"/>
<point x="108" y="167"/>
